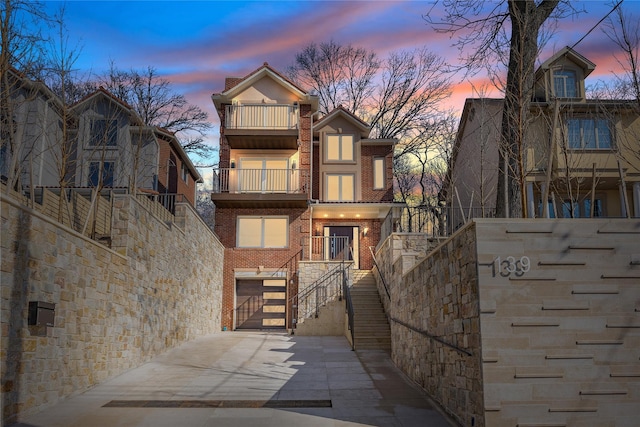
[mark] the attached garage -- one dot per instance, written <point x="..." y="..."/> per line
<point x="261" y="303"/>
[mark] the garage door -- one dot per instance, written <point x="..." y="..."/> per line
<point x="261" y="304"/>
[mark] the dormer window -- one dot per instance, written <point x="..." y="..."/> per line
<point x="565" y="84"/>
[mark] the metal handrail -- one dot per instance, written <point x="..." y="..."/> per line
<point x="348" y="306"/>
<point x="238" y="180"/>
<point x="319" y="286"/>
<point x="328" y="248"/>
<point x="261" y="116"/>
<point x="249" y="306"/>
<point x="384" y="282"/>
<point x="433" y="337"/>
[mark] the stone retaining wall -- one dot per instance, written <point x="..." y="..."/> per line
<point x="435" y="319"/>
<point x="116" y="308"/>
<point x="522" y="322"/>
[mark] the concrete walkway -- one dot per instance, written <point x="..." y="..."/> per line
<point x="261" y="379"/>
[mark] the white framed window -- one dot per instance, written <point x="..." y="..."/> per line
<point x="262" y="232"/>
<point x="339" y="188"/>
<point x="565" y="84"/>
<point x="378" y="173"/>
<point x="339" y="148"/>
<point x="104" y="133"/>
<point x="589" y="134"/>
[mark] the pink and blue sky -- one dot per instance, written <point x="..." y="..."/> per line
<point x="196" y="44"/>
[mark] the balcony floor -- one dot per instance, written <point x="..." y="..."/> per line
<point x="260" y="200"/>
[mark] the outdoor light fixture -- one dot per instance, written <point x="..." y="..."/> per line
<point x="365" y="232"/>
<point x="233" y="164"/>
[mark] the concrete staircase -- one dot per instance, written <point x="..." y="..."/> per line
<point x="371" y="326"/>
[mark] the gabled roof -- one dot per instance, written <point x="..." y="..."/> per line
<point x="257" y="74"/>
<point x="340" y="111"/>
<point x="101" y="92"/>
<point x="567" y="52"/>
<point x="171" y="138"/>
<point x="34" y="85"/>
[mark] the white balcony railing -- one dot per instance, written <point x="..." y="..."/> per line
<point x="285" y="181"/>
<point x="262" y="116"/>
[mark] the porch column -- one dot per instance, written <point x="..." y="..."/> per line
<point x="530" y="201"/>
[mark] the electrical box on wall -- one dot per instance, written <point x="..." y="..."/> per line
<point x="41" y="313"/>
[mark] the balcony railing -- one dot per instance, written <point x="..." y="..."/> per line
<point x="328" y="248"/>
<point x="287" y="181"/>
<point x="262" y="116"/>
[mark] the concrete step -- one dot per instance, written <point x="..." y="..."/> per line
<point x="373" y="343"/>
<point x="371" y="327"/>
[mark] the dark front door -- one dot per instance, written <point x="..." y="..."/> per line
<point x="341" y="244"/>
<point x="260" y="304"/>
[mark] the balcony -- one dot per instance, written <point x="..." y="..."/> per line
<point x="273" y="126"/>
<point x="260" y="187"/>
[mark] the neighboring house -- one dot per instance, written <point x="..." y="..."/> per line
<point x="115" y="149"/>
<point x="592" y="168"/>
<point x="99" y="141"/>
<point x="176" y="172"/>
<point x="289" y="189"/>
<point x="30" y="152"/>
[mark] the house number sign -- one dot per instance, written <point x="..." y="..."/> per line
<point x="507" y="266"/>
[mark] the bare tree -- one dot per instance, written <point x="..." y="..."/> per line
<point x="339" y="75"/>
<point x="493" y="32"/>
<point x="413" y="83"/>
<point x="59" y="73"/>
<point x="21" y="50"/>
<point x="154" y="100"/>
<point x="420" y="168"/>
<point x="392" y="95"/>
<point x="624" y="30"/>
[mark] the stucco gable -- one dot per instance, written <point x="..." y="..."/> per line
<point x="340" y="113"/>
<point x="565" y="55"/>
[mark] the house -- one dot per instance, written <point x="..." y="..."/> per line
<point x="31" y="128"/>
<point x="115" y="148"/>
<point x="581" y="156"/>
<point x="291" y="186"/>
<point x="177" y="175"/>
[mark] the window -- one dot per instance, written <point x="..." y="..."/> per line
<point x="564" y="83"/>
<point x="5" y="159"/>
<point x="107" y="174"/>
<point x="184" y="172"/>
<point x="262" y="232"/>
<point x="581" y="209"/>
<point x="589" y="134"/>
<point x="575" y="209"/>
<point x="378" y="173"/>
<point x="104" y="132"/>
<point x="264" y="175"/>
<point x="339" y="148"/>
<point x="339" y="188"/>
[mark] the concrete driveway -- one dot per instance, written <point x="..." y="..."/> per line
<point x="252" y="379"/>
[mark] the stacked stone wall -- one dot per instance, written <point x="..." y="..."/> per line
<point x="434" y="318"/>
<point x="159" y="285"/>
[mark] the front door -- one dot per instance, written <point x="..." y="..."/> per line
<point x="260" y="304"/>
<point x="348" y="248"/>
